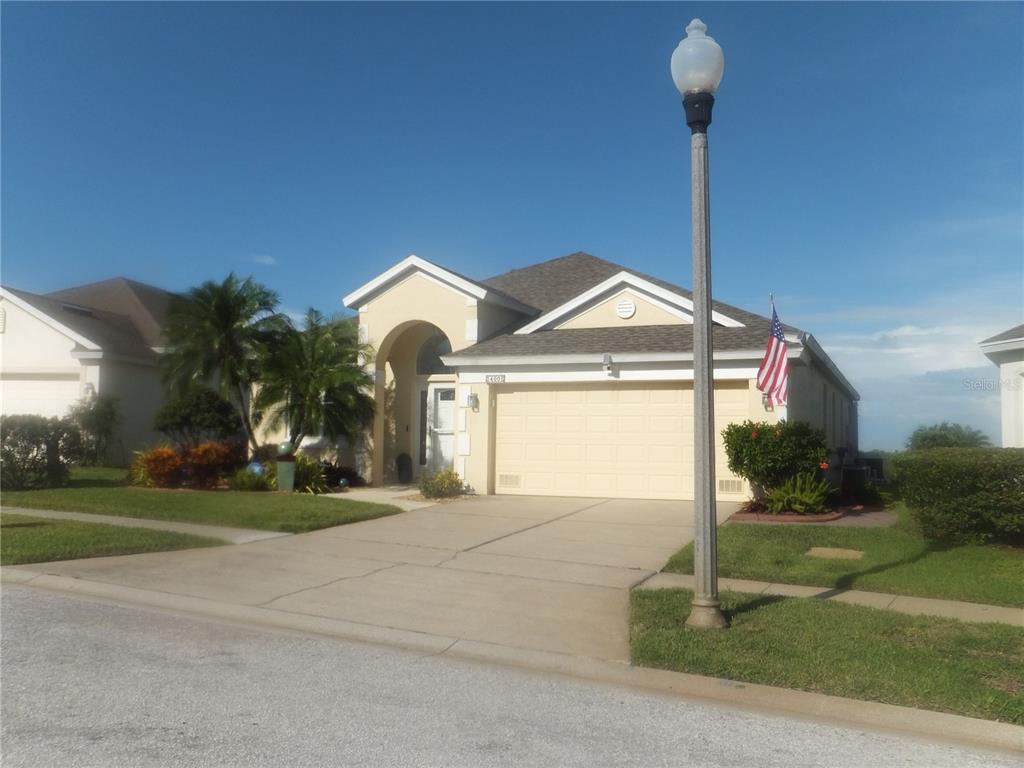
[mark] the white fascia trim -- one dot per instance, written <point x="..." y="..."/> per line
<point x="812" y="346"/>
<point x="45" y="318"/>
<point x="98" y="354"/>
<point x="1004" y="345"/>
<point x="414" y="263"/>
<point x="456" y="361"/>
<point x="622" y="278"/>
<point x="597" y="375"/>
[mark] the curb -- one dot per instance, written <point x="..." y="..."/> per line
<point x="764" y="699"/>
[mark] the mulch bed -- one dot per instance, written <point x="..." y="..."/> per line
<point x="761" y="517"/>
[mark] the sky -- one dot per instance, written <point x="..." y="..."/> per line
<point x="865" y="159"/>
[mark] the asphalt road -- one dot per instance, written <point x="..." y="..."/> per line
<point x="86" y="683"/>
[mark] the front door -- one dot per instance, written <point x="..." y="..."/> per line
<point x="441" y="428"/>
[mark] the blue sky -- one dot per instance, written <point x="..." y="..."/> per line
<point x="866" y="160"/>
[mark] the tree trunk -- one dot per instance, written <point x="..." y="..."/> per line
<point x="243" y="410"/>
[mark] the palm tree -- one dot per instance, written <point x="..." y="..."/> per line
<point x="315" y="382"/>
<point x="218" y="334"/>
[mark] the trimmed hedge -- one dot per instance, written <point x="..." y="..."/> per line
<point x="969" y="495"/>
<point x="35" y="451"/>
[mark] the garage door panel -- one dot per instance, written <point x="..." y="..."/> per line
<point x="44" y="395"/>
<point x="621" y="440"/>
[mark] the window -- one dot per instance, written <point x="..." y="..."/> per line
<point x="428" y="360"/>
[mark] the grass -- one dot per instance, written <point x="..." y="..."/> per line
<point x="896" y="560"/>
<point x="102" y="491"/>
<point x="839" y="649"/>
<point x="26" y="539"/>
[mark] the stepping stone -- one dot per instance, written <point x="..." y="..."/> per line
<point x="835" y="553"/>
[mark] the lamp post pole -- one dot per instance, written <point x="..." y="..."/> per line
<point x="697" y="67"/>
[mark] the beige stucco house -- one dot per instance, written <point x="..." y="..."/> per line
<point x="1006" y="350"/>
<point x="104" y="338"/>
<point x="569" y="377"/>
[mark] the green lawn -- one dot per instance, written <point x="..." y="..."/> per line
<point x="838" y="649"/>
<point x="102" y="491"/>
<point x="25" y="539"/>
<point x="895" y="560"/>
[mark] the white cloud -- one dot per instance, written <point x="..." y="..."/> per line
<point x="264" y="259"/>
<point x="912" y="361"/>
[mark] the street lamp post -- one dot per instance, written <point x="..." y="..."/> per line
<point x="697" y="66"/>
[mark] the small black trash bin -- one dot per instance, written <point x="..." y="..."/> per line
<point x="403" y="464"/>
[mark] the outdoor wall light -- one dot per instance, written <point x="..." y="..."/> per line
<point x="767" y="402"/>
<point x="474" y="401"/>
<point x="607" y="363"/>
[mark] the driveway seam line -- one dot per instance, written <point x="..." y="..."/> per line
<point x="267" y="603"/>
<point x="536" y="525"/>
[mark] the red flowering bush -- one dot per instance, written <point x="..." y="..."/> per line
<point x="768" y="455"/>
<point x="207" y="463"/>
<point x="161" y="467"/>
<point x="200" y="467"/>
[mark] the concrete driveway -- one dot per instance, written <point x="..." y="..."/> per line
<point x="537" y="573"/>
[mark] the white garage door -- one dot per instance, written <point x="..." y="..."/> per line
<point x="618" y="440"/>
<point x="50" y="395"/>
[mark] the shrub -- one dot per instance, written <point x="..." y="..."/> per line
<point x="309" y="475"/>
<point x="964" y="494"/>
<point x="804" y="494"/>
<point x="162" y="467"/>
<point x="207" y="463"/>
<point x="769" y="454"/>
<point x="247" y="479"/>
<point x="335" y="474"/>
<point x="95" y="418"/>
<point x="946" y="435"/>
<point x="442" y="485"/>
<point x="35" y="451"/>
<point x="196" y="415"/>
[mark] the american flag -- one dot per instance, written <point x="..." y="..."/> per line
<point x="773" y="375"/>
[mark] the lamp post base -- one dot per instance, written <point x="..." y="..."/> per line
<point x="706" y="614"/>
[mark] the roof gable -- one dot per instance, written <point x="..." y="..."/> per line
<point x="674" y="301"/>
<point x="146" y="306"/>
<point x="415" y="265"/>
<point x="94" y="330"/>
<point x="552" y="283"/>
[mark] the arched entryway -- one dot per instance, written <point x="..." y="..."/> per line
<point x="416" y="402"/>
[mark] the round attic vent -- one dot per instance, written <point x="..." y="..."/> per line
<point x="625" y="309"/>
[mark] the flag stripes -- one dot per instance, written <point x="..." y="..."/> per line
<point x="773" y="375"/>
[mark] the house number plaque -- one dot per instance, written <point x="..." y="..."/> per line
<point x="495" y="378"/>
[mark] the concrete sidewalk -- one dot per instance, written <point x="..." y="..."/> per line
<point x="915" y="606"/>
<point x="229" y="535"/>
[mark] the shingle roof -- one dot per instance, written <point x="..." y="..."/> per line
<point x="552" y="283"/>
<point x="112" y="332"/>
<point x="145" y="305"/>
<point x="636" y="338"/>
<point x="1017" y="332"/>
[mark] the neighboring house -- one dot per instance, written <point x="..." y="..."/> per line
<point x="569" y="377"/>
<point x="104" y="338"/>
<point x="1006" y="350"/>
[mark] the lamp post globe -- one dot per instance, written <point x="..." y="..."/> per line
<point x="697" y="62"/>
<point x="697" y="67"/>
